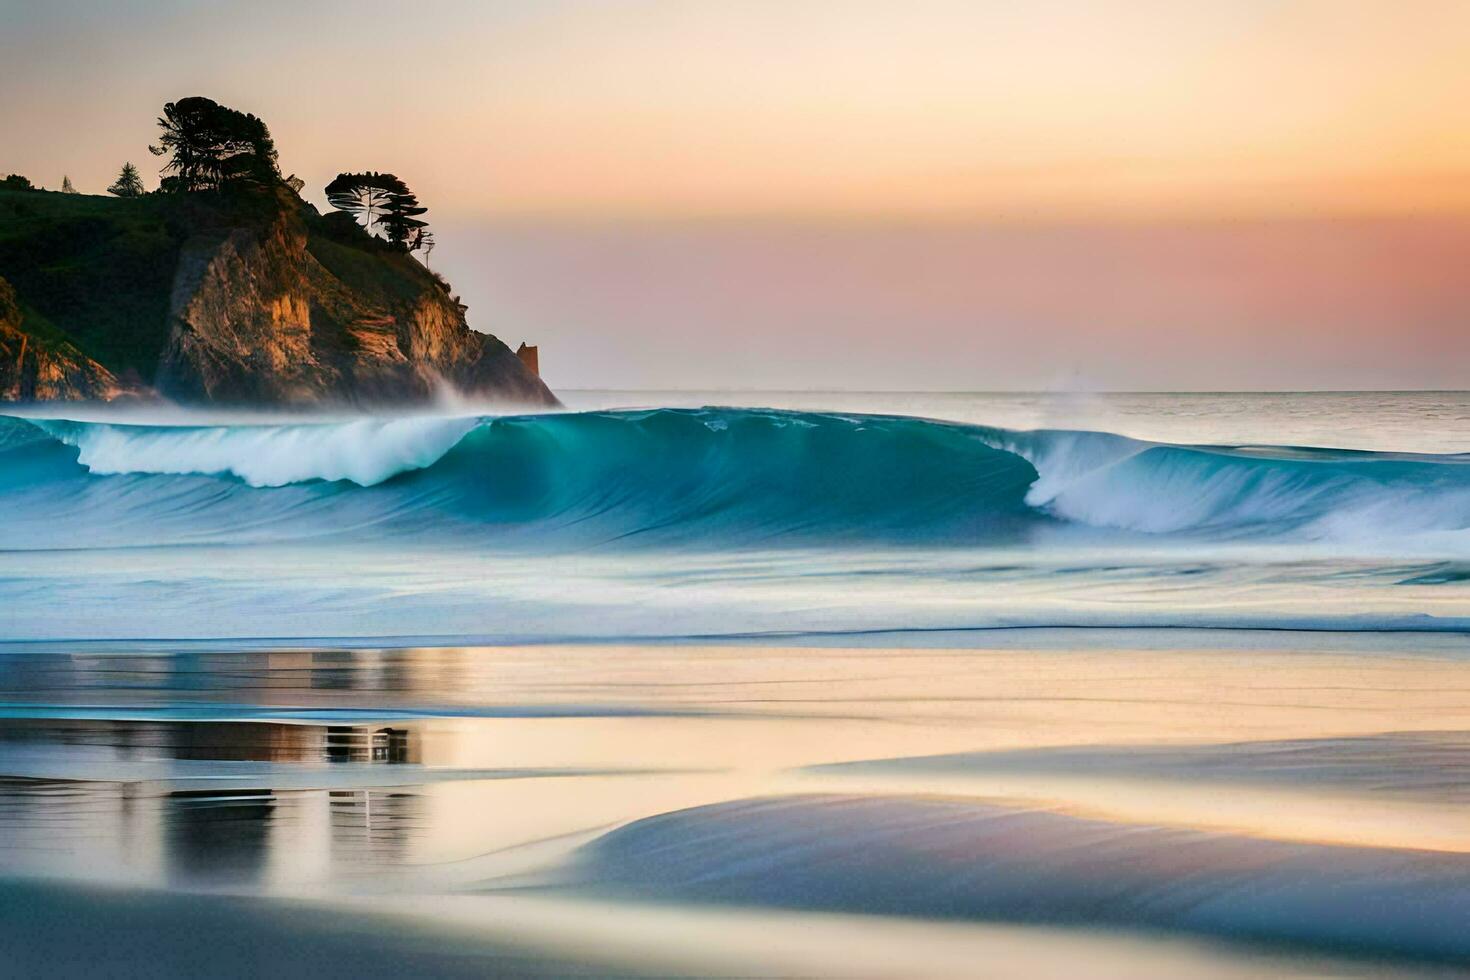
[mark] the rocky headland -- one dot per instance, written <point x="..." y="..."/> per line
<point x="241" y="295"/>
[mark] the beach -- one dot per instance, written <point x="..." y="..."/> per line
<point x="1145" y="796"/>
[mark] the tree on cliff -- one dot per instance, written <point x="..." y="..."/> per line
<point x="15" y="182"/>
<point x="128" y="183"/>
<point x="383" y="201"/>
<point x="364" y="196"/>
<point x="211" y="146"/>
<point x="422" y="238"/>
<point x="401" y="223"/>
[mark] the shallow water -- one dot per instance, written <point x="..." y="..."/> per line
<point x="788" y="691"/>
<point x="1158" y="798"/>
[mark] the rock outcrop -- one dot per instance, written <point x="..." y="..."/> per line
<point x="271" y="305"/>
<point x="261" y="317"/>
<point x="35" y="368"/>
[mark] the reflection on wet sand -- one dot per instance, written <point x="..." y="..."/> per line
<point x="355" y="743"/>
<point x="237" y="830"/>
<point x="217" y="741"/>
<point x="261" y="677"/>
<point x="218" y="836"/>
<point x="689" y="777"/>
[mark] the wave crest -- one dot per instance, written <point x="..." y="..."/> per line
<point x="1102" y="480"/>
<point x="708" y="477"/>
<point x="362" y="451"/>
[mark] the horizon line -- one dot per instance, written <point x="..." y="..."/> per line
<point x="1026" y="391"/>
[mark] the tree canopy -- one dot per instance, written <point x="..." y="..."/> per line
<point x="128" y="183"/>
<point x="15" y="182"/>
<point x="211" y="146"/>
<point x="364" y="195"/>
<point x="382" y="201"/>
<point x="401" y="224"/>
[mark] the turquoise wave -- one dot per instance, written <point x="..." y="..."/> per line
<point x="714" y="477"/>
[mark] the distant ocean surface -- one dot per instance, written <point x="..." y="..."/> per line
<point x="1386" y="421"/>
<point x="738" y="516"/>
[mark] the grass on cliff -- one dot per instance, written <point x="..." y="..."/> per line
<point x="98" y="271"/>
<point x="367" y="265"/>
<point x="94" y="270"/>
<point x="385" y="277"/>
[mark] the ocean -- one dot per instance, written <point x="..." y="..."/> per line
<point x="742" y="683"/>
<point x="659" y="517"/>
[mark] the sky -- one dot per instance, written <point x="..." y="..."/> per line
<point x="860" y="194"/>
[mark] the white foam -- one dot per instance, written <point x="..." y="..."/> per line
<point x="363" y="451"/>
<point x="1108" y="481"/>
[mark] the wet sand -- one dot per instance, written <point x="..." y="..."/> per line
<point x="1135" y="804"/>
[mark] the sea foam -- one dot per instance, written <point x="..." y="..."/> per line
<point x="361" y="451"/>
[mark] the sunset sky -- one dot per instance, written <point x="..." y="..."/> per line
<point x="929" y="194"/>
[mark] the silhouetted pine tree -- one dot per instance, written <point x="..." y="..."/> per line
<point x="401" y="224"/>
<point x="128" y="183"/>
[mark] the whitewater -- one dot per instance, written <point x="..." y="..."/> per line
<point x="676" y="521"/>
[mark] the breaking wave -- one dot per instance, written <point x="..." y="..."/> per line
<point x="710" y="477"/>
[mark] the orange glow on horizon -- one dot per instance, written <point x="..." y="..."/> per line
<point x="933" y="109"/>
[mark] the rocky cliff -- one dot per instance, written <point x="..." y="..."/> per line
<point x="261" y="303"/>
<point x="34" y="367"/>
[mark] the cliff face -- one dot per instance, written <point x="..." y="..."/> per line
<point x="36" y="368"/>
<point x="282" y="314"/>
<point x="259" y="303"/>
